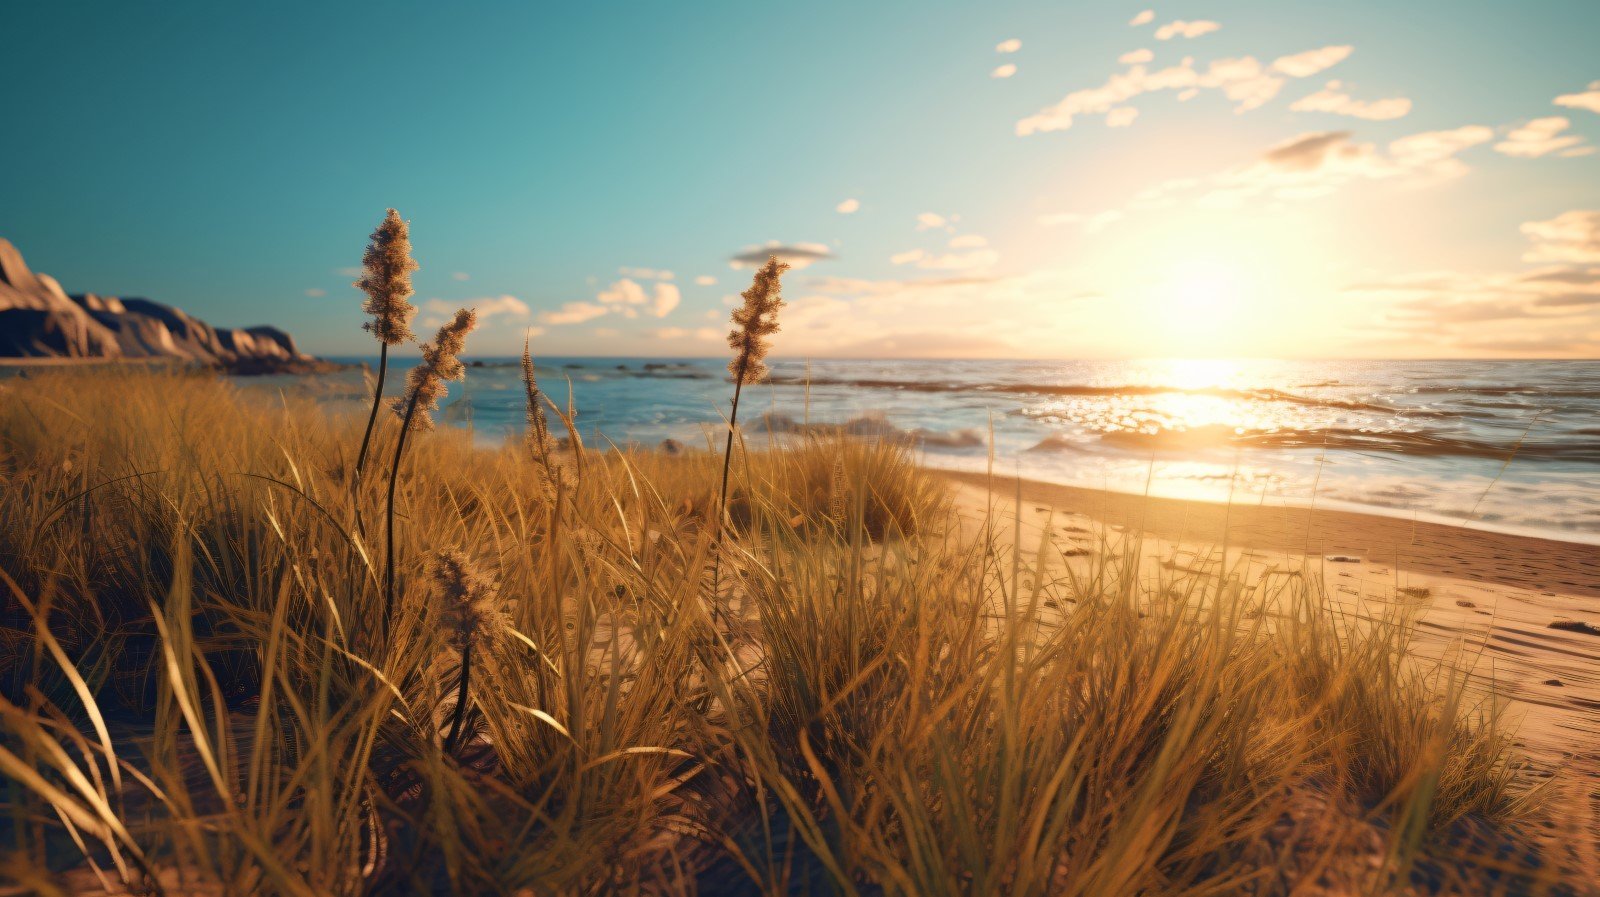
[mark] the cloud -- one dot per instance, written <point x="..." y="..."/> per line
<point x="1589" y="99"/>
<point x="486" y="307"/>
<point x="623" y="292"/>
<point x="349" y="272"/>
<point x="461" y="275"/>
<point x="573" y="313"/>
<point x="1244" y="80"/>
<point x="1569" y="237"/>
<point x="1309" y="152"/>
<point x="316" y="292"/>
<point x="1143" y="18"/>
<point x="1310" y="62"/>
<point x="1180" y="28"/>
<point x="1121" y="117"/>
<point x="796" y="255"/>
<point x="1539" y="137"/>
<point x="1008" y="46"/>
<point x="1004" y="71"/>
<point x="848" y="206"/>
<point x="705" y="280"/>
<point x="666" y="299"/>
<point x="931" y="220"/>
<point x="1333" y="100"/>
<point x="646" y="273"/>
<point x="1136" y="57"/>
<point x="974" y="256"/>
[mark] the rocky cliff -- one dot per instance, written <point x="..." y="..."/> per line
<point x="39" y="320"/>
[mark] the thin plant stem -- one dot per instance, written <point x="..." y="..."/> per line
<point x="722" y="495"/>
<point x="388" y="529"/>
<point x="461" y="700"/>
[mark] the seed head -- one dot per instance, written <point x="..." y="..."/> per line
<point x="440" y="362"/>
<point x="468" y="597"/>
<point x="754" y="321"/>
<point x="539" y="441"/>
<point x="386" y="279"/>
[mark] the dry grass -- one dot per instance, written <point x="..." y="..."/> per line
<point x="195" y="700"/>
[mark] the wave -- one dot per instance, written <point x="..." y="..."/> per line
<point x="1091" y="390"/>
<point x="1414" y="443"/>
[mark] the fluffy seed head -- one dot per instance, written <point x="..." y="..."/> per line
<point x="468" y="596"/>
<point x="754" y="321"/>
<point x="440" y="362"/>
<point x="386" y="279"/>
<point x="539" y="441"/>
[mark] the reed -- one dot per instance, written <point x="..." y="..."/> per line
<point x="425" y="385"/>
<point x="754" y="322"/>
<point x="387" y="266"/>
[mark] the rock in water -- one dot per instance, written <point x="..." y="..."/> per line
<point x="39" y="320"/>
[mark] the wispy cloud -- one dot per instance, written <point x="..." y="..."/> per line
<point x="486" y="307"/>
<point x="646" y="273"/>
<point x="1588" y="99"/>
<point x="1008" y="46"/>
<point x="1541" y="137"/>
<point x="848" y="207"/>
<point x="934" y="221"/>
<point x="572" y="313"/>
<point x="705" y="280"/>
<point x="1004" y="71"/>
<point x="1143" y="18"/>
<point x="1245" y="80"/>
<point x="1180" y="28"/>
<point x="1569" y="237"/>
<point x="316" y="292"/>
<point x="1136" y="57"/>
<point x="1333" y="99"/>
<point x="461" y="275"/>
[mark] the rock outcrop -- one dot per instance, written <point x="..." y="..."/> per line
<point x="40" y="320"/>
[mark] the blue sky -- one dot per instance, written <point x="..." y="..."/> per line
<point x="555" y="162"/>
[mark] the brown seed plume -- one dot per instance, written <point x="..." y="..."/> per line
<point x="469" y="598"/>
<point x="754" y="321"/>
<point x="539" y="441"/>
<point x="425" y="383"/>
<point x="386" y="279"/>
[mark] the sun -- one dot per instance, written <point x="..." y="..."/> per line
<point x="1202" y="296"/>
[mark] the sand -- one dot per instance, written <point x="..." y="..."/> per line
<point x="1486" y="595"/>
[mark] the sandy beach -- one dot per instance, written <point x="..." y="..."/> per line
<point x="1490" y="596"/>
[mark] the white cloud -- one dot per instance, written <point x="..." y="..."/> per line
<point x="572" y="313"/>
<point x="1539" y="137"/>
<point x="1569" y="237"/>
<point x="646" y="273"/>
<point x="1589" y="99"/>
<point x="1143" y="18"/>
<point x="967" y="241"/>
<point x="1121" y="117"/>
<point x="907" y="257"/>
<point x="975" y="257"/>
<point x="1008" y="46"/>
<point x="623" y="292"/>
<point x="1332" y="99"/>
<point x="1004" y="71"/>
<point x="931" y="220"/>
<point x="705" y="280"/>
<point x="461" y="275"/>
<point x="666" y="299"/>
<point x="1245" y="80"/>
<point x="848" y="206"/>
<point x="1136" y="57"/>
<point x="1180" y="28"/>
<point x="1304" y="65"/>
<point x="316" y="292"/>
<point x="676" y="333"/>
<point x="486" y="307"/>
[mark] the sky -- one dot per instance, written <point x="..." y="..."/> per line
<point x="1200" y="178"/>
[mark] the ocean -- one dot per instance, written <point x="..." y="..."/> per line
<point x="1510" y="445"/>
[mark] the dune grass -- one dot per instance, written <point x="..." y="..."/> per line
<point x="194" y="697"/>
